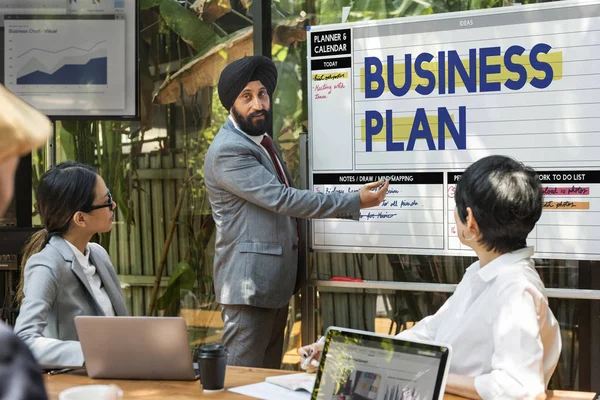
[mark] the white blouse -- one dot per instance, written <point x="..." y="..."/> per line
<point x="93" y="279"/>
<point x="500" y="327"/>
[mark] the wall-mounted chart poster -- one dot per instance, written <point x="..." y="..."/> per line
<point x="417" y="100"/>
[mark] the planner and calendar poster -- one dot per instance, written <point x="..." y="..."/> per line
<point x="417" y="100"/>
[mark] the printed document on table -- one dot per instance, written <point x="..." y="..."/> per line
<point x="268" y="391"/>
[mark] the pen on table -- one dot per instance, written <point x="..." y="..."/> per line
<point x="311" y="353"/>
<point x="59" y="371"/>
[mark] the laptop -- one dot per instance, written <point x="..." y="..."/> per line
<point x="154" y="348"/>
<point x="362" y="365"/>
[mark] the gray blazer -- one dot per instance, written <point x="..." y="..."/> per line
<point x="56" y="291"/>
<point x="256" y="248"/>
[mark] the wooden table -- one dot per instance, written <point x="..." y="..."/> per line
<point x="161" y="390"/>
<point x="236" y="376"/>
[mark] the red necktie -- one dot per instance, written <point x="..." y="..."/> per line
<point x="268" y="145"/>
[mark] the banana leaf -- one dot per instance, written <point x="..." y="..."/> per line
<point x="146" y="4"/>
<point x="204" y="69"/>
<point x="187" y="25"/>
<point x="210" y="11"/>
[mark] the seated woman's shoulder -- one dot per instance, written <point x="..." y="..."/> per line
<point x="98" y="249"/>
<point x="48" y="256"/>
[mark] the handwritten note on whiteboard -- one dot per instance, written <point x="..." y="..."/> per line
<point x="419" y="99"/>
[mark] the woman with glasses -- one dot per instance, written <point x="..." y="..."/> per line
<point x="63" y="274"/>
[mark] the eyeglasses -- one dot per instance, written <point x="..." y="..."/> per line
<point x="108" y="204"/>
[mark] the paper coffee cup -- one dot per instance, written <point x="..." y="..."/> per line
<point x="92" y="392"/>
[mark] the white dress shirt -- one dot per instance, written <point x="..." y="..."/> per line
<point x="258" y="140"/>
<point x="500" y="327"/>
<point x="94" y="280"/>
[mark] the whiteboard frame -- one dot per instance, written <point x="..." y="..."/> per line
<point x="416" y="19"/>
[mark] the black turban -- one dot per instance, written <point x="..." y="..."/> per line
<point x="236" y="76"/>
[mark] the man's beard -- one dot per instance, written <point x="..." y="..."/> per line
<point x="250" y="126"/>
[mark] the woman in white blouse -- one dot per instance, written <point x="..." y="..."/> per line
<point x="64" y="275"/>
<point x="505" y="340"/>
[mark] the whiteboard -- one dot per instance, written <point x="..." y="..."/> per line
<point x="419" y="99"/>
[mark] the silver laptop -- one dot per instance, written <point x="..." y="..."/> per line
<point x="361" y="365"/>
<point x="135" y="347"/>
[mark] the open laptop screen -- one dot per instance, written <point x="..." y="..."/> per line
<point x="361" y="365"/>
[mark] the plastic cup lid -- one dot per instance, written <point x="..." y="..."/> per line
<point x="214" y="350"/>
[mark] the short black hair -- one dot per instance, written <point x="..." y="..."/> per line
<point x="506" y="198"/>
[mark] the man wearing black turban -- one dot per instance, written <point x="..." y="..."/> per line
<point x="236" y="75"/>
<point x="255" y="207"/>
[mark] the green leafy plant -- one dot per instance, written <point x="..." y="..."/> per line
<point x="99" y="144"/>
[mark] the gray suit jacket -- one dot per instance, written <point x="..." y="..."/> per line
<point x="56" y="291"/>
<point x="256" y="249"/>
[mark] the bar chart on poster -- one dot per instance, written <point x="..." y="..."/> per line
<point x="44" y="55"/>
<point x="72" y="58"/>
<point x="417" y="100"/>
